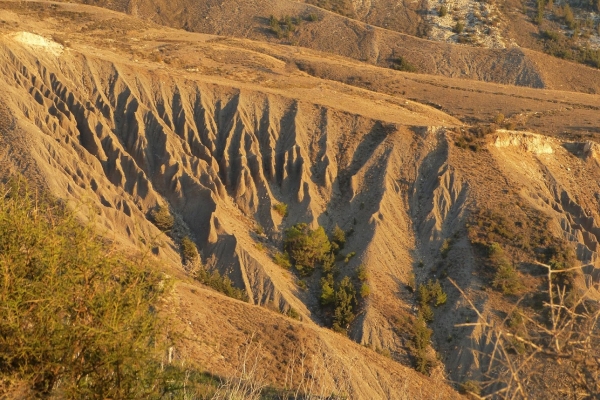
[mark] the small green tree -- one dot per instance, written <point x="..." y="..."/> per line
<point x="345" y="301"/>
<point x="338" y="239"/>
<point x="327" y="291"/>
<point x="420" y="343"/>
<point x="307" y="247"/>
<point x="161" y="217"/>
<point x="189" y="251"/>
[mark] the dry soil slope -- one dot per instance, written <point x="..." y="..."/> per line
<point x="221" y="142"/>
<point x="339" y="35"/>
<point x="122" y="138"/>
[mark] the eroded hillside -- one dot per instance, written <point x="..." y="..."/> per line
<point x="123" y="117"/>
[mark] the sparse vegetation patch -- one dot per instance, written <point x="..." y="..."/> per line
<point x="77" y="318"/>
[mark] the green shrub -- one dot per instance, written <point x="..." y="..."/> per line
<point x="399" y="64"/>
<point x="507" y="280"/>
<point x="365" y="291"/>
<point x="551" y="35"/>
<point x="259" y="230"/>
<point x="362" y="273"/>
<point x="302" y="285"/>
<point x="327" y="291"/>
<point x="345" y="302"/>
<point x="426" y="313"/>
<point x="328" y="264"/>
<point x="569" y="17"/>
<point x="432" y="292"/>
<point x="306" y="247"/>
<point x="420" y="343"/>
<point x="189" y="251"/>
<point x="459" y="27"/>
<point x="349" y="256"/>
<point x="283" y="260"/>
<point x="77" y="318"/>
<point x="443" y="11"/>
<point x="161" y="217"/>
<point x="384" y="352"/>
<point x="338" y="239"/>
<point x="497" y="256"/>
<point x="539" y="16"/>
<point x="292" y="313"/>
<point x="446" y="247"/>
<point x="221" y="284"/>
<point x="281" y="209"/>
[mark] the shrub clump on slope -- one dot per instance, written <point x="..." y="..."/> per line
<point x="77" y="320"/>
<point x="307" y="247"/>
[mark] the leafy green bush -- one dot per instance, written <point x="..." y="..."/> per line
<point x="221" y="284"/>
<point x="161" y="217"/>
<point x="292" y="313"/>
<point x="443" y="11"/>
<point x="507" y="280"/>
<point x="349" y="256"/>
<point x="399" y="64"/>
<point x="365" y="291"/>
<point x="281" y="209"/>
<point x="283" y="260"/>
<point x="259" y="230"/>
<point x="551" y="35"/>
<point x="189" y="251"/>
<point x="327" y="291"/>
<point x="77" y="318"/>
<point x="345" y="302"/>
<point x="432" y="292"/>
<point x="307" y="247"/>
<point x="362" y="273"/>
<point x="420" y="342"/>
<point x="426" y="313"/>
<point x="499" y="118"/>
<point x="459" y="27"/>
<point x="338" y="239"/>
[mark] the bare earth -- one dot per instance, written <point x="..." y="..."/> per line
<point x="120" y="114"/>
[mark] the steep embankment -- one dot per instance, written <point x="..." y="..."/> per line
<point x="122" y="136"/>
<point x="122" y="116"/>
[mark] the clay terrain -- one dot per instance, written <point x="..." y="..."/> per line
<point x="477" y="160"/>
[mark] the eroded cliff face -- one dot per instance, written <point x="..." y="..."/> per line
<point x="117" y="137"/>
<point x="128" y="139"/>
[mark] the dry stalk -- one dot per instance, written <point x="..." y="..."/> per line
<point x="570" y="339"/>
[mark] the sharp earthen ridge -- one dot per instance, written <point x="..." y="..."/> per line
<point x="425" y="174"/>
